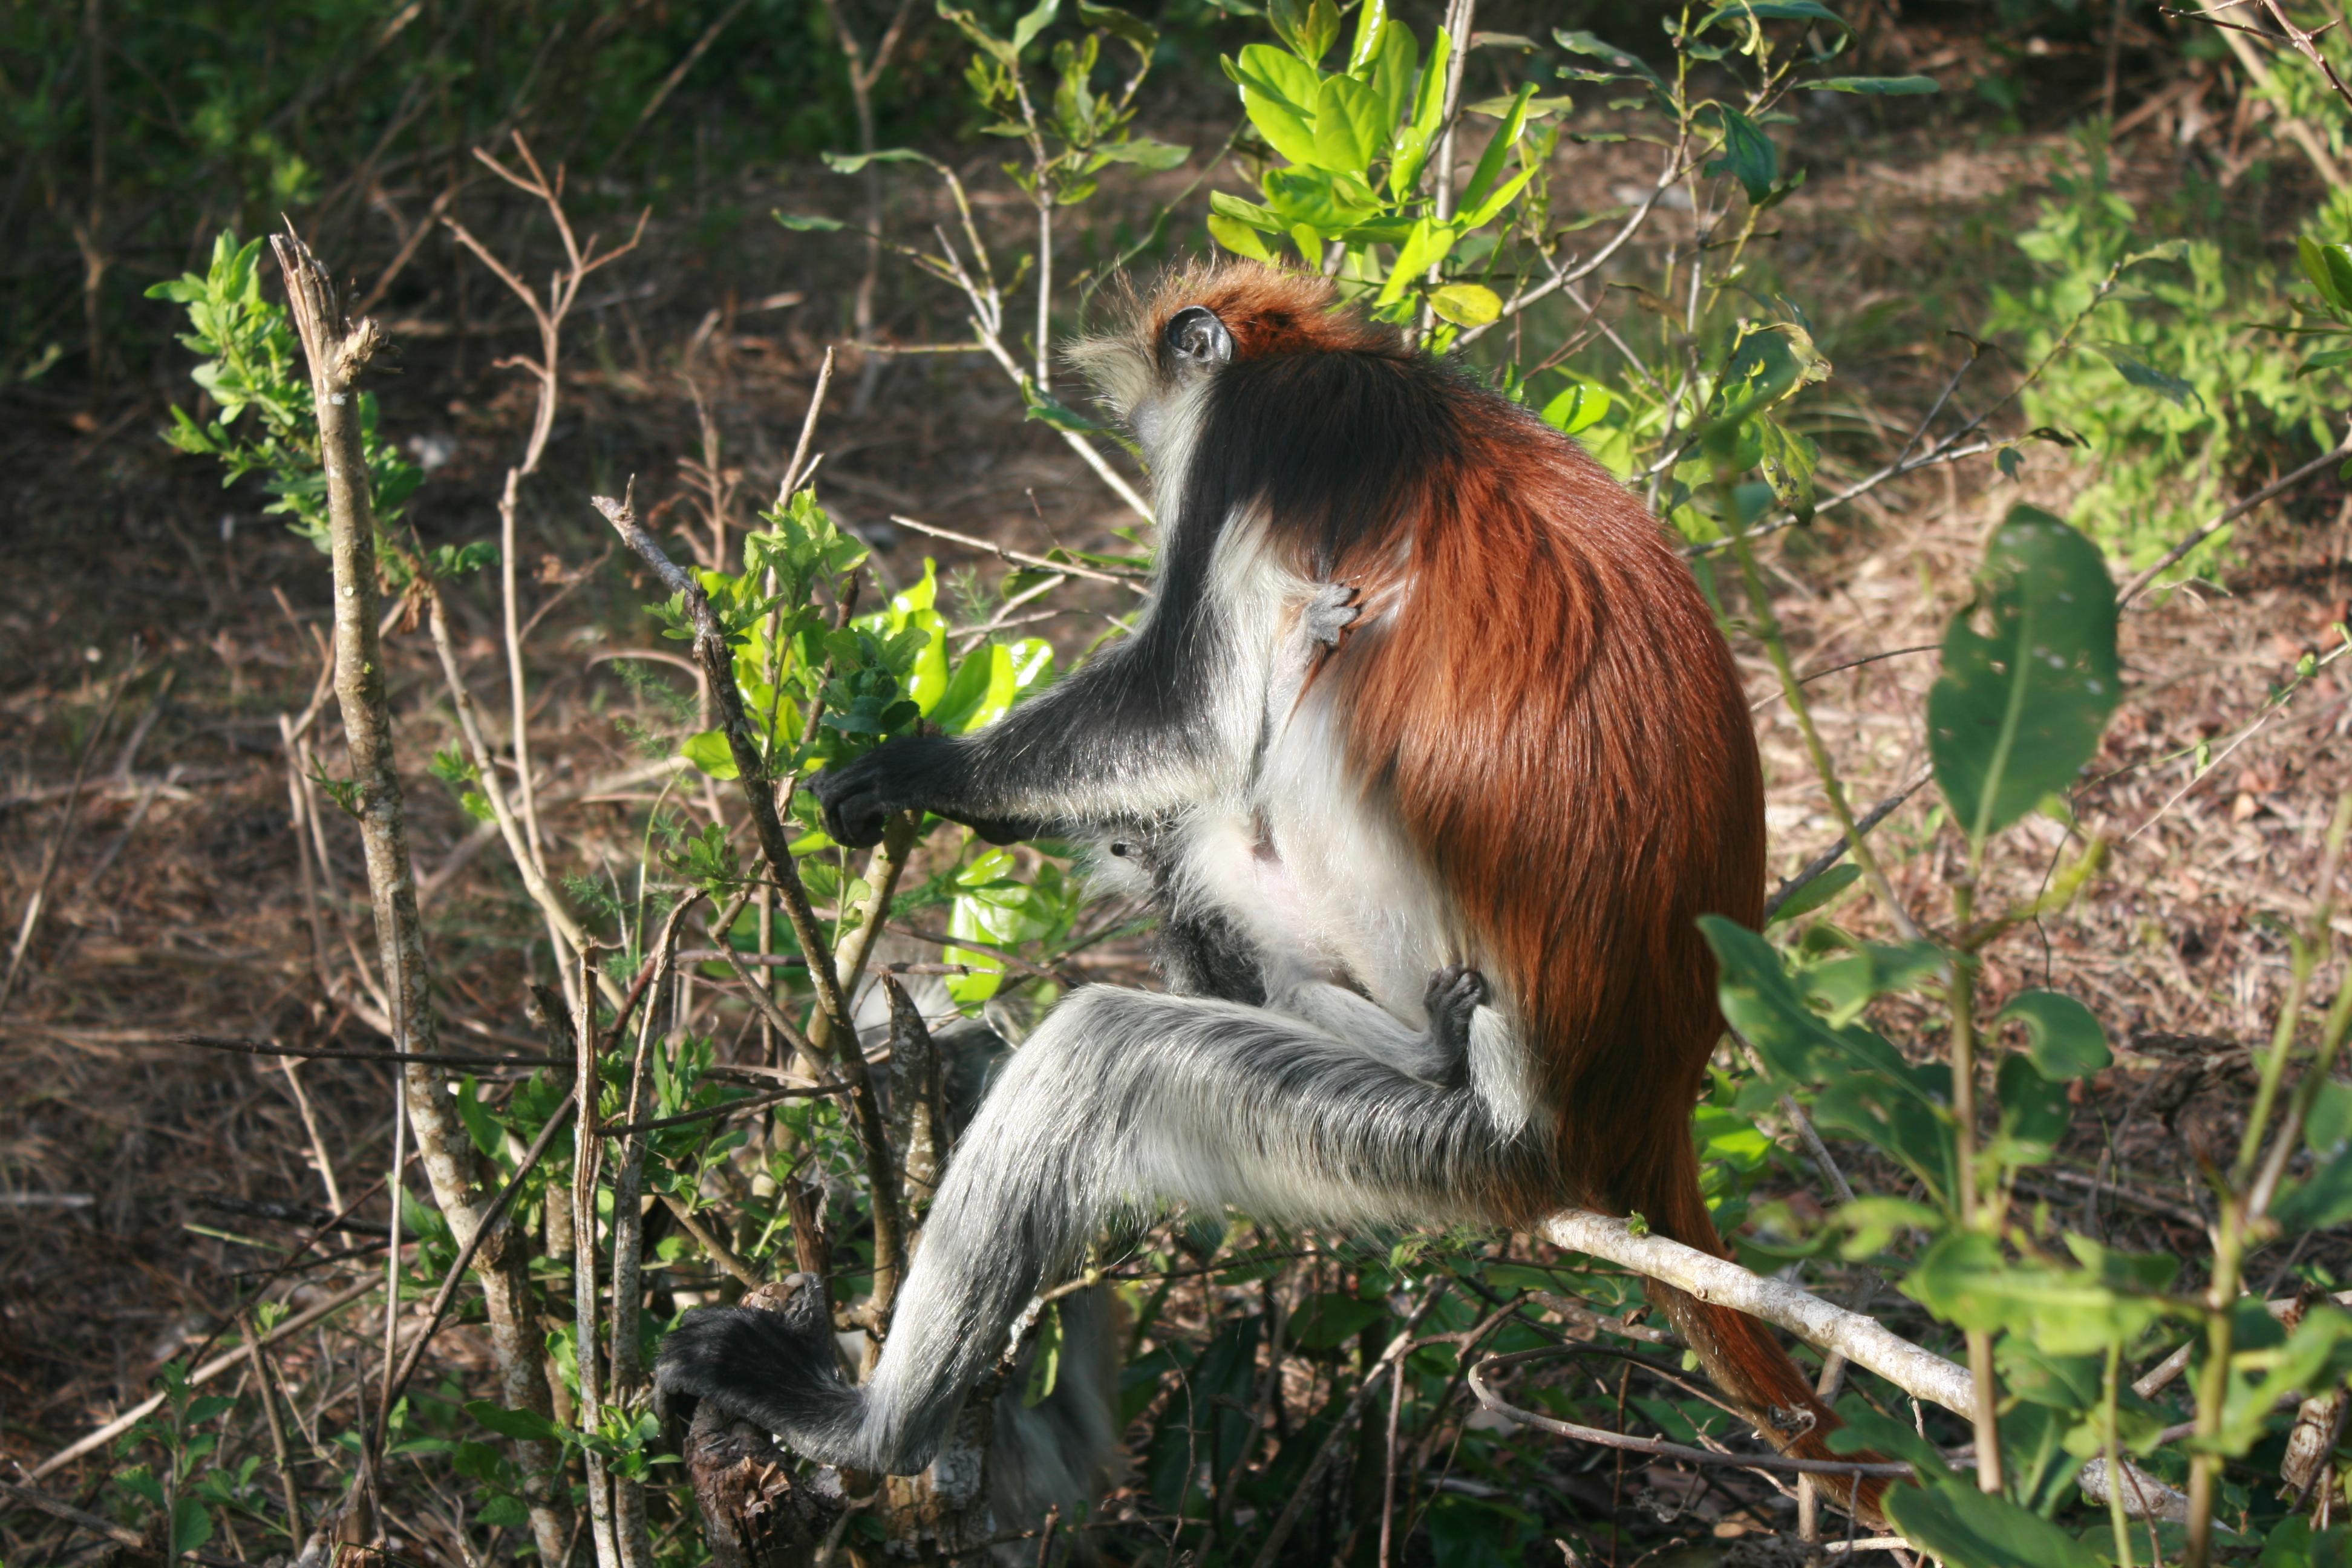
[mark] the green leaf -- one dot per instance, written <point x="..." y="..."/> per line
<point x="1466" y="304"/>
<point x="1423" y="249"/>
<point x="1622" y="66"/>
<point x="1972" y="1529"/>
<point x="488" y="1133"/>
<point x="2113" y="1297"/>
<point x="1583" y="406"/>
<point x="1763" y="1004"/>
<point x="1389" y="70"/>
<point x="1045" y="1363"/>
<point x="1815" y="893"/>
<point x="1238" y="238"/>
<point x="1775" y="10"/>
<point x="2329" y="267"/>
<point x="2033" y="1115"/>
<point x="2170" y="387"/>
<point x="191" y="1526"/>
<point x="1278" y="93"/>
<point x="1748" y="154"/>
<point x="1330" y="1318"/>
<point x="1235" y="210"/>
<point x="1047" y="409"/>
<point x="522" y="1425"/>
<point x="851" y="163"/>
<point x="988" y="681"/>
<point x="2328" y="1127"/>
<point x="1372" y="22"/>
<point x="2313" y="1356"/>
<point x="2063" y="1037"/>
<point x="1788" y="460"/>
<point x="1144" y="153"/>
<point x="1036" y="21"/>
<point x="1501" y="197"/>
<point x="711" y="753"/>
<point x="977" y="32"/>
<point x="1351" y="126"/>
<point x="1490" y="163"/>
<point x="1320" y="199"/>
<point x="1413" y="137"/>
<point x="1881" y="85"/>
<point x="1134" y="31"/>
<point x="2020" y="706"/>
<point x="2323" y="1199"/>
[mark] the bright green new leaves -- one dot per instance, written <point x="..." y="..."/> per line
<point x="1351" y="125"/>
<point x="2030" y="674"/>
<point x="1310" y="26"/>
<point x="252" y="365"/>
<point x="1584" y="405"/>
<point x="1482" y="198"/>
<point x="876" y="675"/>
<point x="1466" y="304"/>
<point x="1420" y="127"/>
<point x="1278" y="93"/>
<point x="1355" y="144"/>
<point x="1970" y="1529"/>
<point x="992" y="904"/>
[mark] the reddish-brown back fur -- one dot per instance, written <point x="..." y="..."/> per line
<point x="1541" y="697"/>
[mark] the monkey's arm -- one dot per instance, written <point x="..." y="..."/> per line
<point x="1167" y="717"/>
<point x="1127" y="735"/>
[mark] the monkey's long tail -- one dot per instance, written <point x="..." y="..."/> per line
<point x="1746" y="1363"/>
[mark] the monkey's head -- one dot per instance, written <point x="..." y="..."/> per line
<point x="1152" y="369"/>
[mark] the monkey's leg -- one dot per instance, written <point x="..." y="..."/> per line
<point x="1123" y="1101"/>
<point x="1439" y="1054"/>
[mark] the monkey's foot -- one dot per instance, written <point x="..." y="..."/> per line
<point x="1332" y="611"/>
<point x="777" y="1370"/>
<point x="1455" y="991"/>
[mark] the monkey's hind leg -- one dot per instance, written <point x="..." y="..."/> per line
<point x="1122" y="1102"/>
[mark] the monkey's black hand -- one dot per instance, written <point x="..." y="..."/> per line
<point x="1332" y="611"/>
<point x="858" y="797"/>
<point x="777" y="1369"/>
<point x="1455" y="991"/>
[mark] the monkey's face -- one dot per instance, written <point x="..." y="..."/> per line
<point x="1153" y="376"/>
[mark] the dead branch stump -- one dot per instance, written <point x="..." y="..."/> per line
<point x="755" y="1512"/>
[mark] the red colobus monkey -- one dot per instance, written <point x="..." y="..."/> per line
<point x="1437" y="757"/>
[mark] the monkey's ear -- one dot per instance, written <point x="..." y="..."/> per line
<point x="1197" y="338"/>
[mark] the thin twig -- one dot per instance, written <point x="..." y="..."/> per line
<point x="2229" y="514"/>
<point x="63" y="837"/>
<point x="1135" y="580"/>
<point x="1779" y="1464"/>
<point x="712" y="652"/>
<point x="1304" y="1487"/>
<point x="492" y="1222"/>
